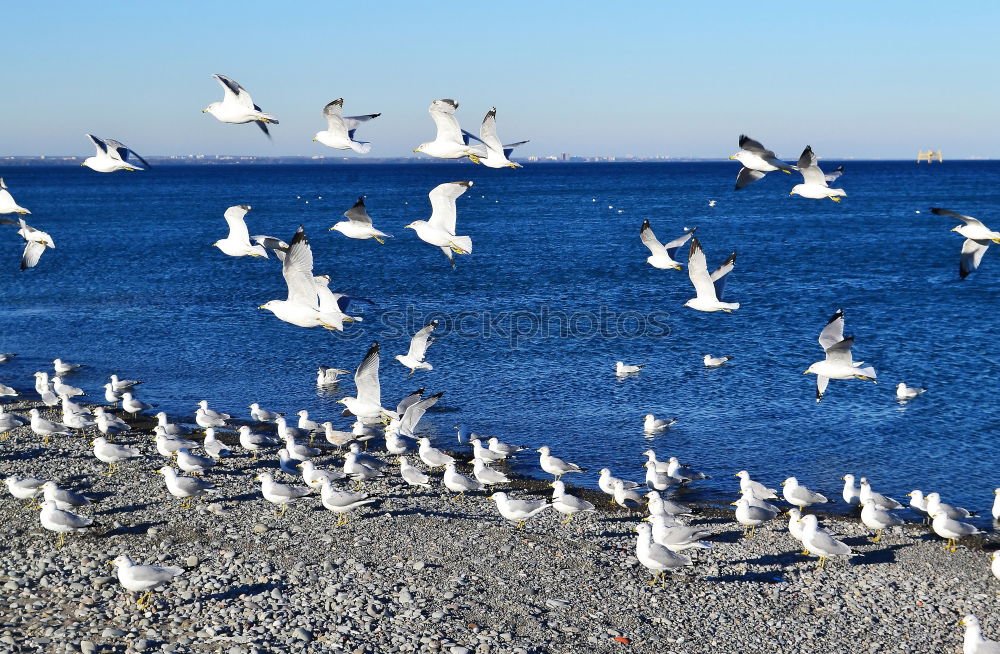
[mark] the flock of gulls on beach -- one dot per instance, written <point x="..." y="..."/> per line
<point x="665" y="542"/>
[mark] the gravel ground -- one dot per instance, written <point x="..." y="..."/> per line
<point x="418" y="572"/>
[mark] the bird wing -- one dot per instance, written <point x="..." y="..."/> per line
<point x="832" y="177"/>
<point x="443" y="210"/>
<point x="415" y="412"/>
<point x="237" y="225"/>
<point x="358" y="214"/>
<point x="98" y="143"/>
<point x="810" y="170"/>
<point x="508" y="148"/>
<point x="753" y="145"/>
<point x="366" y="378"/>
<point x="443" y="113"/>
<point x="676" y="244"/>
<point x="409" y="400"/>
<point x="238" y="94"/>
<point x="719" y="276"/>
<point x="747" y="176"/>
<point x="276" y="245"/>
<point x="649" y="239"/>
<point x="698" y="272"/>
<point x="972" y="254"/>
<point x="488" y="131"/>
<point x="297" y="271"/>
<point x="33" y="252"/>
<point x="833" y="332"/>
<point x="122" y="151"/>
<point x="352" y="122"/>
<point x="421" y="340"/>
<point x="968" y="220"/>
<point x="148" y="574"/>
<point x="841" y="352"/>
<point x="334" y="121"/>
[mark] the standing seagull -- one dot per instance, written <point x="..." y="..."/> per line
<point x="662" y="255"/>
<point x="977" y="240"/>
<point x="35" y="243"/>
<point x="339" y="132"/>
<point x="496" y="153"/>
<point x="439" y="229"/>
<point x="450" y="142"/>
<point x="838" y="363"/>
<point x="359" y="224"/>
<point x="237" y="107"/>
<point x="708" y="288"/>
<point x="237" y="244"/>
<point x="414" y="357"/>
<point x="757" y="161"/>
<point x="111" y="156"/>
<point x="7" y="204"/>
<point x="814" y="184"/>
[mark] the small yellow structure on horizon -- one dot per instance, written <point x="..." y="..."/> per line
<point x="929" y="156"/>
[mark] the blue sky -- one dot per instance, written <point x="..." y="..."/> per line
<point x="853" y="79"/>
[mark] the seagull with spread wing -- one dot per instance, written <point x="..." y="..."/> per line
<point x="757" y="161"/>
<point x="662" y="255"/>
<point x="814" y="184"/>
<point x="111" y="156"/>
<point x="237" y="244"/>
<point x="237" y="107"/>
<point x="709" y="287"/>
<point x="439" y="229"/>
<point x="302" y="307"/>
<point x="449" y="142"/>
<point x="838" y="363"/>
<point x="339" y="132"/>
<point x="359" y="224"/>
<point x="497" y="154"/>
<point x="977" y="240"/>
<point x="367" y="406"/>
<point x="333" y="306"/>
<point x="35" y="243"/>
<point x="414" y="358"/>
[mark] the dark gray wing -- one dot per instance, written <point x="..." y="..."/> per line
<point x="747" y="177"/>
<point x="262" y="125"/>
<point x="753" y="145"/>
<point x="101" y="147"/>
<point x="358" y="213"/>
<point x="721" y="273"/>
<point x="809" y="167"/>
<point x="833" y="332"/>
<point x="233" y="87"/>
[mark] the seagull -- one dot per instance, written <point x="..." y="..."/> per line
<point x="213" y="446"/>
<point x="62" y="522"/>
<point x="7" y="204"/>
<point x="237" y="244"/>
<point x="951" y="529"/>
<point x="63" y="498"/>
<point x="10" y="421"/>
<point x="503" y="448"/>
<point x="315" y="477"/>
<point x="621" y="370"/>
<point x="459" y="483"/>
<point x="431" y="456"/>
<point x="878" y="519"/>
<point x="497" y="155"/>
<point x="368" y="403"/>
<point x="62" y="388"/>
<point x="975" y="643"/>
<point x="343" y="502"/>
<point x="483" y="453"/>
<point x="237" y="107"/>
<point x="61" y="367"/>
<point x="336" y="438"/>
<point x="677" y="538"/>
<point x="132" y="405"/>
<point x="24" y="488"/>
<point x="757" y="161"/>
<point x="339" y="132"/>
<point x="253" y="442"/>
<point x="35" y="242"/>
<point x="759" y="490"/>
<point x="656" y="557"/>
<point x="111" y="156"/>
<point x="406" y="424"/>
<point x="904" y="392"/>
<point x="262" y="415"/>
<point x="280" y="494"/>
<point x="193" y="463"/>
<point x="450" y="142"/>
<point x="113" y="454"/>
<point x="865" y="493"/>
<point x="653" y="425"/>
<point x="800" y="496"/>
<point x="145" y="578"/>
<point x="555" y="466"/>
<point x="412" y="475"/>
<point x="838" y="363"/>
<point x="851" y="493"/>
<point x="606" y="482"/>
<point x="8" y="391"/>
<point x="814" y="184"/>
<point x="832" y="177"/>
<point x="977" y="240"/>
<point x="486" y="475"/>
<point x="662" y="255"/>
<point x="708" y="287"/>
<point x="301" y="308"/>
<point x="276" y="245"/>
<point x="119" y="385"/>
<point x="567" y="504"/>
<point x="327" y="376"/>
<point x="518" y="510"/>
<point x="332" y="306"/>
<point x="414" y="357"/>
<point x="359" y="224"/>
<point x="935" y="505"/>
<point x="439" y="229"/>
<point x="715" y="362"/>
<point x="47" y="428"/>
<point x="817" y="541"/>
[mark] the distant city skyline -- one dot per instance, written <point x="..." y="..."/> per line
<point x="646" y="79"/>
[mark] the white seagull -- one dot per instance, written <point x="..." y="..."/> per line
<point x="237" y="107"/>
<point x="838" y="363"/>
<point x="367" y="406"/>
<point x="450" y="142"/>
<point x="111" y="156"/>
<point x="237" y="243"/>
<point x="301" y="308"/>
<point x="757" y="161"/>
<point x="715" y="362"/>
<point x="904" y="392"/>
<point x="339" y="132"/>
<point x="661" y="255"/>
<point x="977" y="240"/>
<point x="359" y="224"/>
<point x="708" y="287"/>
<point x="7" y="204"/>
<point x="439" y="229"/>
<point x="814" y="184"/>
<point x="497" y="155"/>
<point x="35" y="242"/>
<point x="414" y="357"/>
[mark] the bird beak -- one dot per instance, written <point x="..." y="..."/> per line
<point x="783" y="483"/>
<point x="416" y="150"/>
<point x="314" y="140"/>
<point x="736" y="475"/>
<point x="805" y="372"/>
<point x="261" y="306"/>
<point x="204" y="110"/>
<point x="732" y="157"/>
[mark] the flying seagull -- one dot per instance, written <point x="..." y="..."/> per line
<point x="757" y="161"/>
<point x="814" y="184"/>
<point x="838" y="363"/>
<point x="301" y="308"/>
<point x="439" y="229"/>
<point x="497" y="154"/>
<point x="237" y="244"/>
<point x="977" y="240"/>
<point x="450" y="142"/>
<point x="414" y="358"/>
<point x="111" y="156"/>
<point x="709" y="288"/>
<point x="339" y="132"/>
<point x="367" y="406"/>
<point x="237" y="107"/>
<point x="35" y="243"/>
<point x="662" y="255"/>
<point x="7" y="204"/>
<point x="359" y="224"/>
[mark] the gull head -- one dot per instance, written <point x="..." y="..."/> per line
<point x="795" y="190"/>
<point x="420" y="148"/>
<point x="810" y="370"/>
<point x="339" y="227"/>
<point x="268" y="305"/>
<point x="210" y="109"/>
<point x="412" y="225"/>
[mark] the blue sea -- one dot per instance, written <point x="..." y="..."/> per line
<point x="556" y="290"/>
